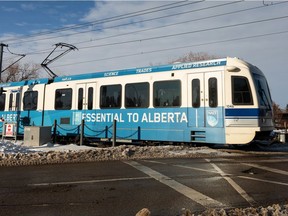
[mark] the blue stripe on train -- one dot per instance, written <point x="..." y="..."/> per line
<point x="249" y="112"/>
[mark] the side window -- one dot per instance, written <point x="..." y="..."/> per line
<point x="30" y="100"/>
<point x="90" y="98"/>
<point x="213" y="93"/>
<point x="110" y="96"/>
<point x="63" y="99"/>
<point x="137" y="95"/>
<point x="10" y="101"/>
<point x="80" y="98"/>
<point x="17" y="100"/>
<point x="167" y="93"/>
<point x="2" y="102"/>
<point x="196" y="93"/>
<point x="241" y="92"/>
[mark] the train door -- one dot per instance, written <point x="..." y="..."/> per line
<point x="213" y="99"/>
<point x="13" y="105"/>
<point x="85" y="97"/>
<point x="196" y="105"/>
<point x="205" y="99"/>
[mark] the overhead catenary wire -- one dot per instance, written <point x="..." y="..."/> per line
<point x="176" y="48"/>
<point x="133" y="23"/>
<point x="183" y="22"/>
<point x="110" y="19"/>
<point x="185" y="33"/>
<point x="177" y="34"/>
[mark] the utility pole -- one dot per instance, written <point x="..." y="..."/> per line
<point x="1" y="57"/>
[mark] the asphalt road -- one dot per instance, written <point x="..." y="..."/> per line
<point x="164" y="186"/>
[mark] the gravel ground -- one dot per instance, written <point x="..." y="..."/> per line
<point x="18" y="155"/>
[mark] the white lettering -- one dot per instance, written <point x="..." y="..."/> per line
<point x="118" y="117"/>
<point x="184" y="118"/>
<point x="135" y="117"/>
<point x="144" y="70"/>
<point x="195" y="65"/>
<point x="157" y="117"/>
<point x="144" y="118"/>
<point x="170" y="117"/>
<point x="115" y="73"/>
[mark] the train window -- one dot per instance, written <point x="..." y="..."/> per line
<point x="196" y="93"/>
<point x="110" y="96"/>
<point x="241" y="92"/>
<point x="167" y="93"/>
<point x="63" y="99"/>
<point x="17" y="100"/>
<point x="10" y="101"/>
<point x="30" y="100"/>
<point x="2" y="102"/>
<point x="213" y="93"/>
<point x="137" y="95"/>
<point x="80" y="98"/>
<point x="263" y="91"/>
<point x="90" y="98"/>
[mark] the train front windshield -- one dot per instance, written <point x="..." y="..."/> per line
<point x="263" y="93"/>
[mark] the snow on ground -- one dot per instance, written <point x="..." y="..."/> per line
<point x="15" y="153"/>
<point x="12" y="147"/>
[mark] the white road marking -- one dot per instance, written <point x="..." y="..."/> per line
<point x="227" y="174"/>
<point x="88" y="181"/>
<point x="267" y="168"/>
<point x="241" y="191"/>
<point x="192" y="194"/>
<point x="157" y="162"/>
<point x="183" y="166"/>
<point x="262" y="180"/>
<point x="198" y="169"/>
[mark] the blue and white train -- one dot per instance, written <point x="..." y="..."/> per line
<point x="221" y="101"/>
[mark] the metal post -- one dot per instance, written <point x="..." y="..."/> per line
<point x="82" y="131"/>
<point x="16" y="131"/>
<point x="3" y="130"/>
<point x="1" y="57"/>
<point x="106" y="131"/>
<point x="139" y="133"/>
<point x="114" y="133"/>
<point x="54" y="131"/>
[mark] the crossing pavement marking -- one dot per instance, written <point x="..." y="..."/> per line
<point x="263" y="180"/>
<point x="282" y="172"/>
<point x="240" y="190"/>
<point x="87" y="181"/>
<point x="198" y="169"/>
<point x="231" y="175"/>
<point x="192" y="194"/>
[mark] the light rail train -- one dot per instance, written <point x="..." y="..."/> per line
<point x="221" y="101"/>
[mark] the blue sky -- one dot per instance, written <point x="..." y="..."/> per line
<point x="113" y="35"/>
<point x="24" y="17"/>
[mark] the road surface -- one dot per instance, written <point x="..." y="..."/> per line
<point x="164" y="186"/>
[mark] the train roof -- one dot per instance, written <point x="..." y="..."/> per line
<point x="25" y="82"/>
<point x="143" y="70"/>
<point x="133" y="71"/>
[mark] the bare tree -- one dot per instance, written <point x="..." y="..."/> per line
<point x="19" y="72"/>
<point x="192" y="57"/>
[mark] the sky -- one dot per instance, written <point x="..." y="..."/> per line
<point x="112" y="35"/>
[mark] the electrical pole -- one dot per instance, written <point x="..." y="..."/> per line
<point x="1" y="57"/>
